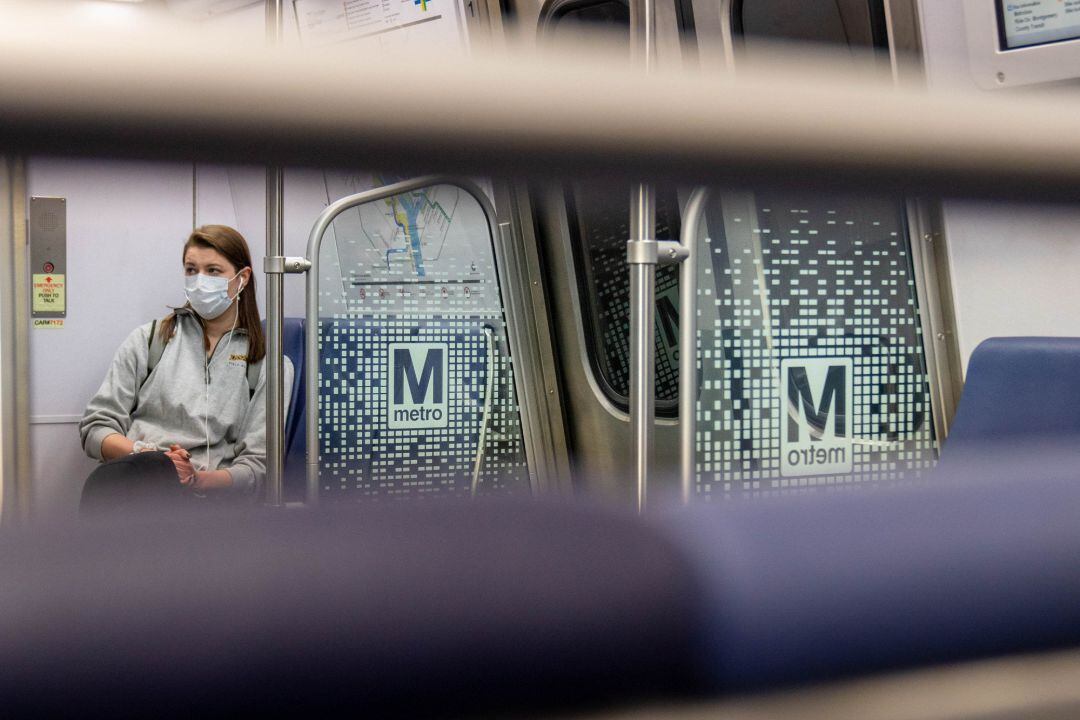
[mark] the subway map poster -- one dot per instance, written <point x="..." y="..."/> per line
<point x="386" y="24"/>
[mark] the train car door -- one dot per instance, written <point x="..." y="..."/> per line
<point x="408" y="349"/>
<point x="583" y="228"/>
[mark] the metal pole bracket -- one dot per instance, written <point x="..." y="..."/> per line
<point x="655" y="252"/>
<point x="641" y="252"/>
<point x="281" y="265"/>
<point x="670" y="252"/>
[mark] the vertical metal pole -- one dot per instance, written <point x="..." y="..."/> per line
<point x="643" y="34"/>
<point x="275" y="316"/>
<point x="695" y="210"/>
<point x="275" y="22"/>
<point x="275" y="321"/>
<point x="642" y="350"/>
<point x="642" y="276"/>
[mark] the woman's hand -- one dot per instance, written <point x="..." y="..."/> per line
<point x="116" y="446"/>
<point x="184" y="469"/>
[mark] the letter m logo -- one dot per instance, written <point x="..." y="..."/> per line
<point x="817" y="390"/>
<point x="417" y="390"/>
<point x="405" y="373"/>
<point x="816" y="397"/>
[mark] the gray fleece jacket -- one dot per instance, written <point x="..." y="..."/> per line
<point x="169" y="406"/>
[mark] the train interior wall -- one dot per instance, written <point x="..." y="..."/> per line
<point x="127" y="222"/>
<point x="1012" y="268"/>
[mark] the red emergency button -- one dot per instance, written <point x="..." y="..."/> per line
<point x="49" y="267"/>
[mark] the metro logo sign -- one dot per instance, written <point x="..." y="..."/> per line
<point x="417" y="391"/>
<point x="816" y="395"/>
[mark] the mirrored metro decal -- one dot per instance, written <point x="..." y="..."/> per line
<point x="815" y="393"/>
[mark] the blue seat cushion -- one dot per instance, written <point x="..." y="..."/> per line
<point x="1019" y="388"/>
<point x="295" y="421"/>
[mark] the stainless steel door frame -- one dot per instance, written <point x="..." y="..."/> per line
<point x="311" y="340"/>
<point x="646" y="42"/>
<point x="598" y="432"/>
<point x="933" y="289"/>
<point x="926" y="236"/>
<point x="15" y="475"/>
<point x="526" y="292"/>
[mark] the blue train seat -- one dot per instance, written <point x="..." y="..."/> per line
<point x="295" y="438"/>
<point x="292" y="346"/>
<point x="1018" y="390"/>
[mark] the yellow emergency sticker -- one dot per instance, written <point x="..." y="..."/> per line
<point x="48" y="293"/>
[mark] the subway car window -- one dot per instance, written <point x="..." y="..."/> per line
<point x="837" y="23"/>
<point x="598" y="216"/>
<point x="611" y="14"/>
<point x="600" y="228"/>
<point x="416" y="388"/>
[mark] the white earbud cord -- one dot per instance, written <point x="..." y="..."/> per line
<point x="206" y="380"/>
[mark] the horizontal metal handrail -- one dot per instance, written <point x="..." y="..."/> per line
<point x="168" y="93"/>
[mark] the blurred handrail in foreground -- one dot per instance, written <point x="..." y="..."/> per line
<point x="171" y="92"/>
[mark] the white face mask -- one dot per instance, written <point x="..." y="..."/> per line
<point x="209" y="296"/>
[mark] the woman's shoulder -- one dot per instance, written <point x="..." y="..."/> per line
<point x="140" y="336"/>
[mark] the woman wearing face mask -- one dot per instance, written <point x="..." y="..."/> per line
<point x="182" y="410"/>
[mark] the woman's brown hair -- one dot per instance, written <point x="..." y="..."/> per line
<point x="231" y="245"/>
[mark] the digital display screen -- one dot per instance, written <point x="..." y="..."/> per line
<point x="1024" y="23"/>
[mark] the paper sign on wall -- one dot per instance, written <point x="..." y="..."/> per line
<point x="385" y="24"/>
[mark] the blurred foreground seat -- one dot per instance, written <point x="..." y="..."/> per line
<point x="449" y="610"/>
<point x="405" y="610"/>
<point x="982" y="560"/>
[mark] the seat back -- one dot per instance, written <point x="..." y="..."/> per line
<point x="407" y="404"/>
<point x="295" y="440"/>
<point x="1019" y="389"/>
